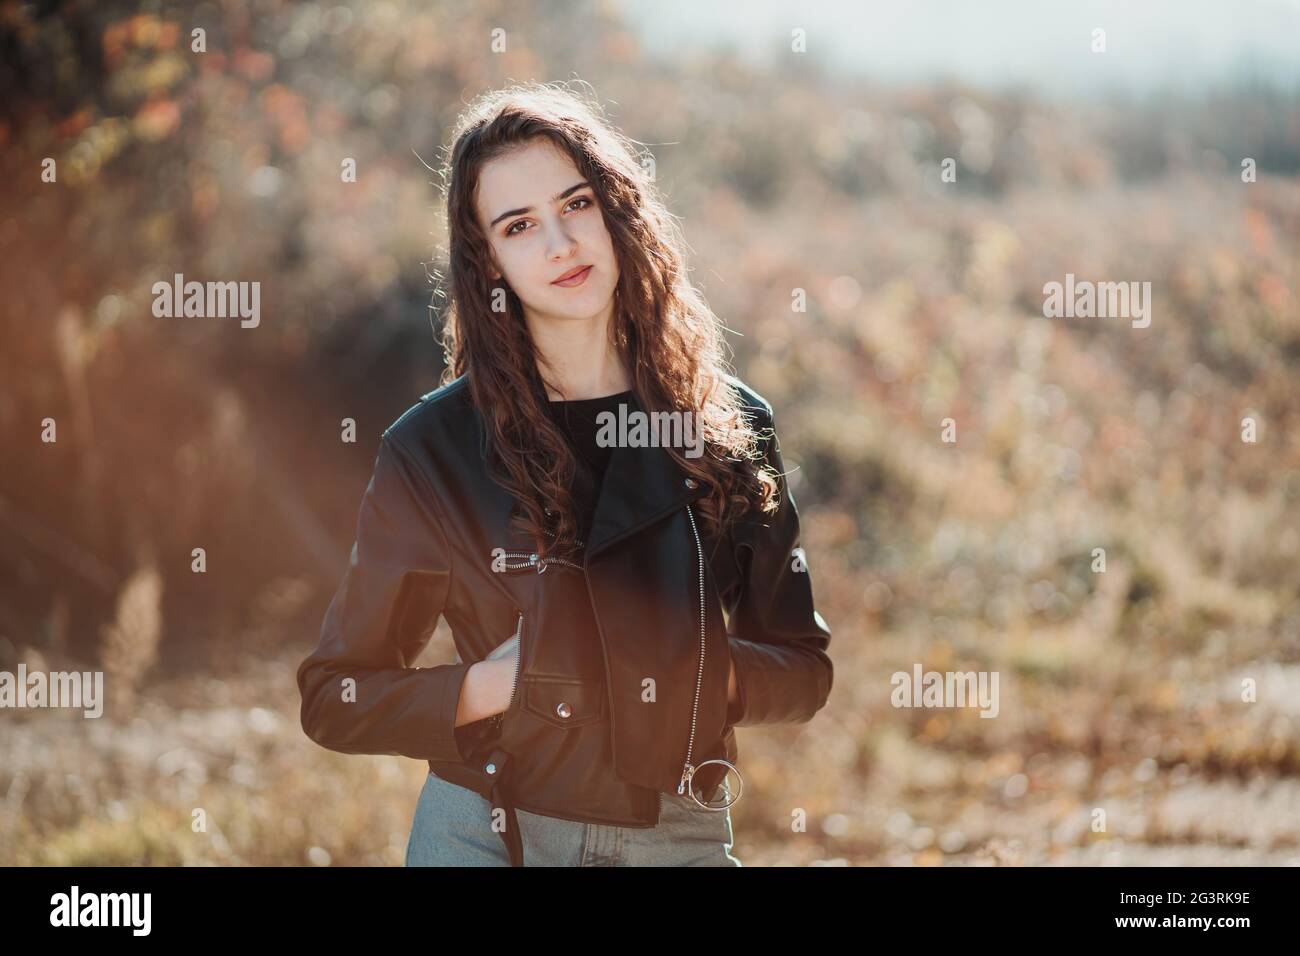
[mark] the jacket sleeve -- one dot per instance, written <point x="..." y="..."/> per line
<point x="360" y="694"/>
<point x="777" y="638"/>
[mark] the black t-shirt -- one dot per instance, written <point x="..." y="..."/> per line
<point x="577" y="419"/>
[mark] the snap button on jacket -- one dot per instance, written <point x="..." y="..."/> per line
<point x="621" y="686"/>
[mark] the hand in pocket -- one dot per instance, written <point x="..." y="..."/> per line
<point x="508" y="650"/>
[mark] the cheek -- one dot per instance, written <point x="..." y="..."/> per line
<point x="517" y="266"/>
<point x="595" y="236"/>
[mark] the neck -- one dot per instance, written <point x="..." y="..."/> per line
<point x="577" y="358"/>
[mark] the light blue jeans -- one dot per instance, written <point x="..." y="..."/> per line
<point x="453" y="827"/>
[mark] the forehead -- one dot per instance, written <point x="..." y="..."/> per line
<point x="528" y="175"/>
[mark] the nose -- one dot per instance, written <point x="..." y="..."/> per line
<point x="560" y="244"/>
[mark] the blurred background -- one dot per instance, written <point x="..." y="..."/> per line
<point x="796" y="161"/>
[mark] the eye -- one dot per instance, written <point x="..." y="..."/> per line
<point x="586" y="200"/>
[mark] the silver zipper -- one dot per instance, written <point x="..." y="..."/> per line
<point x="688" y="769"/>
<point x="519" y="659"/>
<point x="532" y="560"/>
<point x="553" y="535"/>
<point x="495" y="719"/>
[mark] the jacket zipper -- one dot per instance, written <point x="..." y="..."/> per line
<point x="552" y="534"/>
<point x="688" y="769"/>
<point x="532" y="560"/>
<point x="496" y="719"/>
<point x="519" y="659"/>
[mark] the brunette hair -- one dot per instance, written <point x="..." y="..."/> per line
<point x="665" y="333"/>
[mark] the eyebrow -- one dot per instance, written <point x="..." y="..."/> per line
<point x="519" y="212"/>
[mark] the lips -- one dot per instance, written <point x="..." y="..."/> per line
<point x="573" y="277"/>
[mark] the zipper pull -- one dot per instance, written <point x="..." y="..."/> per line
<point x="687" y="773"/>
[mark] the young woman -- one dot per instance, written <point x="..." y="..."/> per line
<point x="621" y="593"/>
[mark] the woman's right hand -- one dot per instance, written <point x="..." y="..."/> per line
<point x="505" y="657"/>
<point x="487" y="689"/>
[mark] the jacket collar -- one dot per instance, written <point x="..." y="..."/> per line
<point x="641" y="485"/>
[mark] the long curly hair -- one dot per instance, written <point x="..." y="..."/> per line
<point x="664" y="332"/>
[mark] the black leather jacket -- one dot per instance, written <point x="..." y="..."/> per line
<point x="621" y="687"/>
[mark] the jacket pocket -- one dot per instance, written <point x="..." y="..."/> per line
<point x="564" y="702"/>
<point x="495" y="724"/>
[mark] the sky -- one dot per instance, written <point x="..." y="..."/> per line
<point x="1151" y="45"/>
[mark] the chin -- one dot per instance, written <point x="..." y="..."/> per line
<point x="585" y="306"/>
<point x="583" y="312"/>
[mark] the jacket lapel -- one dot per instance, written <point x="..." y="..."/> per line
<point x="642" y="484"/>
